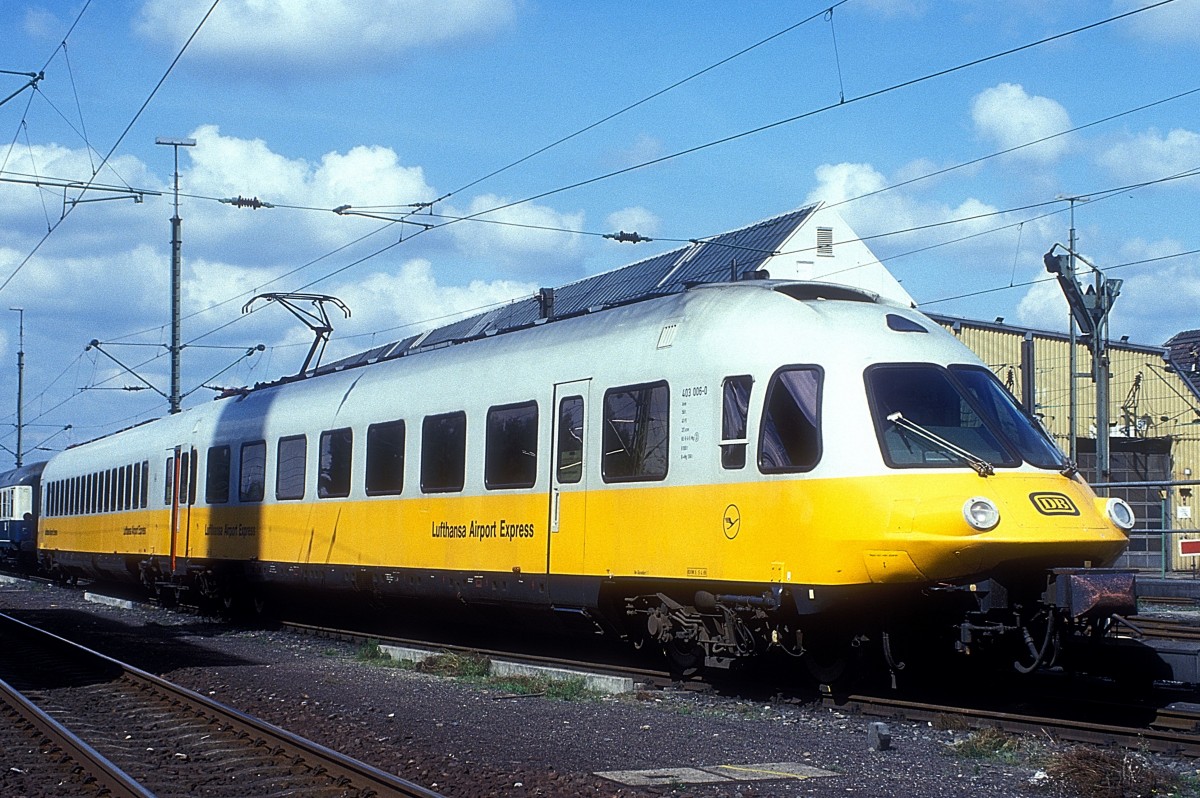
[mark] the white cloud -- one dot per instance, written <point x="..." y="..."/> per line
<point x="1159" y="297"/>
<point x="889" y="211"/>
<point x="526" y="239"/>
<point x="412" y="300"/>
<point x="39" y="23"/>
<point x="643" y="149"/>
<point x="226" y="166"/>
<point x="897" y="8"/>
<point x="1150" y="155"/>
<point x="1010" y="117"/>
<point x="1043" y="307"/>
<point x="633" y="220"/>
<point x="1172" y="23"/>
<point x="316" y="35"/>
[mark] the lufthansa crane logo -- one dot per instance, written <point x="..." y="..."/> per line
<point x="1053" y="504"/>
<point x="732" y="522"/>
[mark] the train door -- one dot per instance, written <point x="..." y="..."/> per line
<point x="181" y="492"/>
<point x="568" y="478"/>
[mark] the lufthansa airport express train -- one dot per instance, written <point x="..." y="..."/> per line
<point x="688" y="452"/>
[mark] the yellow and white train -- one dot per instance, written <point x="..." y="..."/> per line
<point x="722" y="470"/>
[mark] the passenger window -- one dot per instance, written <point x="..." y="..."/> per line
<point x="252" y="472"/>
<point x="290" y="467"/>
<point x="791" y="431"/>
<point x="443" y="452"/>
<point x="145" y="483"/>
<point x="188" y="476"/>
<point x="216" y="487"/>
<point x="735" y="407"/>
<point x="570" y="440"/>
<point x="385" y="458"/>
<point x="510" y="459"/>
<point x="636" y="433"/>
<point x="333" y="468"/>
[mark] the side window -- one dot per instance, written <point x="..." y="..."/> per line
<point x="145" y="483"/>
<point x="735" y="407"/>
<point x="510" y="459"/>
<point x="385" y="458"/>
<point x="187" y="480"/>
<point x="636" y="433"/>
<point x="333" y="467"/>
<point x="791" y="431"/>
<point x="216" y="480"/>
<point x="290" y="467"/>
<point x="252" y="472"/>
<point x="443" y="452"/>
<point x="570" y="440"/>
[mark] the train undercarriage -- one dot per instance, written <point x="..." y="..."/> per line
<point x="1018" y="624"/>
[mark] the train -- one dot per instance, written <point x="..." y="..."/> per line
<point x="20" y="498"/>
<point x="717" y="471"/>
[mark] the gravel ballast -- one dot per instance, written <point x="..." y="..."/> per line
<point x="465" y="737"/>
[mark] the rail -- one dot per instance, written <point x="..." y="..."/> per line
<point x="278" y="741"/>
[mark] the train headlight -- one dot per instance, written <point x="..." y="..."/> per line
<point x="1121" y="514"/>
<point x="981" y="513"/>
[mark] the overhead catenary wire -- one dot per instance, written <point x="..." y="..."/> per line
<point x="116" y="144"/>
<point x="390" y="246"/>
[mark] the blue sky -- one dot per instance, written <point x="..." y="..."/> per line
<point x="315" y="105"/>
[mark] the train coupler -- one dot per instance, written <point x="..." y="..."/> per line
<point x="1092" y="592"/>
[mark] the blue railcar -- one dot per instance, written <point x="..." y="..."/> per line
<point x="20" y="497"/>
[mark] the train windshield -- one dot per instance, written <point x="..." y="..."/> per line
<point x="965" y="406"/>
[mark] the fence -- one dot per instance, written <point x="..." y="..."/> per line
<point x="1165" y="526"/>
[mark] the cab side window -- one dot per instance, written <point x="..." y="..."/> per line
<point x="790" y="439"/>
<point x="735" y="407"/>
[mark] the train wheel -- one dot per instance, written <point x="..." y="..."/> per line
<point x="684" y="658"/>
<point x="833" y="660"/>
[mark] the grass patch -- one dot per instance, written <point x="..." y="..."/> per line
<point x="572" y="689"/>
<point x="369" y="651"/>
<point x="991" y="745"/>
<point x="464" y="666"/>
<point x="1103" y="773"/>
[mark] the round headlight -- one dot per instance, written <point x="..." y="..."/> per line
<point x="981" y="513"/>
<point x="1121" y="514"/>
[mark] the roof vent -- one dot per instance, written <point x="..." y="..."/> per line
<point x="825" y="241"/>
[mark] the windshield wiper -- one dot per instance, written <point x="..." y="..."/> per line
<point x="981" y="466"/>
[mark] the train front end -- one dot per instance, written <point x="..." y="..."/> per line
<point x="1012" y="554"/>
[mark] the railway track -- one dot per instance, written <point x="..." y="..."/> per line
<point x="1164" y="628"/>
<point x="100" y="722"/>
<point x="1172" y="731"/>
<point x="649" y="676"/>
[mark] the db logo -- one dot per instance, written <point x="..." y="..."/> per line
<point x="1053" y="504"/>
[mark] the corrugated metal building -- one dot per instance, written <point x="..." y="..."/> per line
<point x="1154" y="418"/>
